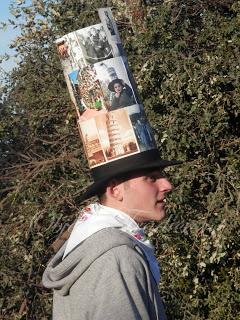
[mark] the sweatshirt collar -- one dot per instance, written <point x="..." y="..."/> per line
<point x="96" y="217"/>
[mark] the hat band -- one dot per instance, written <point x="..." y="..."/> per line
<point x="125" y="165"/>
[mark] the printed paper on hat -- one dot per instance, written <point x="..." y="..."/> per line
<point x="84" y="46"/>
<point x="110" y="27"/>
<point x="114" y="70"/>
<point x="93" y="91"/>
<point x="116" y="134"/>
<point x="111" y="119"/>
<point x="108" y="137"/>
<point x="81" y="48"/>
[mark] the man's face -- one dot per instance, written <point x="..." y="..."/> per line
<point x="144" y="196"/>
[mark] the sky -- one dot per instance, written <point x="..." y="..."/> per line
<point x="7" y="36"/>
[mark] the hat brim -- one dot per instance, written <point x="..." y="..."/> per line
<point x="96" y="187"/>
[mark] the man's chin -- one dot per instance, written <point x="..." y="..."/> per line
<point x="160" y="215"/>
<point x="154" y="216"/>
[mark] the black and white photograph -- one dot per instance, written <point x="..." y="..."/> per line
<point x="70" y="53"/>
<point x="110" y="27"/>
<point x="94" y="43"/>
<point x="115" y="83"/>
<point x="85" y="46"/>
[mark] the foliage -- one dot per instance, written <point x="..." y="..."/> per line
<point x="184" y="55"/>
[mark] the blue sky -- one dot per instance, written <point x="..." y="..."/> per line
<point x="7" y="36"/>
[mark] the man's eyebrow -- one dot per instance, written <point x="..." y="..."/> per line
<point x="156" y="174"/>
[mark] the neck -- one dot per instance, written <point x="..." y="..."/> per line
<point x="132" y="213"/>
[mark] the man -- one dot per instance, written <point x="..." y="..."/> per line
<point x="107" y="269"/>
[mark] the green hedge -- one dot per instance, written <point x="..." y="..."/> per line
<point x="185" y="59"/>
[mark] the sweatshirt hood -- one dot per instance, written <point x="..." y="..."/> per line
<point x="61" y="274"/>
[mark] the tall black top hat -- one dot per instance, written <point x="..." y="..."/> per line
<point x="116" y="134"/>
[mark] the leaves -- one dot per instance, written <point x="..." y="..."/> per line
<point x="185" y="62"/>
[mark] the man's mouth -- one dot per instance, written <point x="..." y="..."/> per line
<point x="161" y="201"/>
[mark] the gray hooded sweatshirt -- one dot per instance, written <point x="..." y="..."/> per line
<point x="105" y="277"/>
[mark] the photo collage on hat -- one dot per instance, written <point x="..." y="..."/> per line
<point x="111" y="118"/>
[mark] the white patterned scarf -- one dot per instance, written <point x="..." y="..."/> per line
<point x="96" y="217"/>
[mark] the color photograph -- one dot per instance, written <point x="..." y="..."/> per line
<point x="91" y="141"/>
<point x="142" y="129"/>
<point x="116" y="134"/>
<point x="92" y="99"/>
<point x="75" y="89"/>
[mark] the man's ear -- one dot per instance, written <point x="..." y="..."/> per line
<point x="114" y="190"/>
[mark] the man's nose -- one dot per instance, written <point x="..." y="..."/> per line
<point x="164" y="185"/>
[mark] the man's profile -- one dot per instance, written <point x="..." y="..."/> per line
<point x="107" y="268"/>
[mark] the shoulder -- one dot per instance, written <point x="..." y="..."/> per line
<point x="120" y="251"/>
<point x="111" y="237"/>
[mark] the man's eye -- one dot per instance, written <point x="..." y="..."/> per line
<point x="152" y="179"/>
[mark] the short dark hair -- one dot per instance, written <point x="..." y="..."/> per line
<point x="119" y="179"/>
